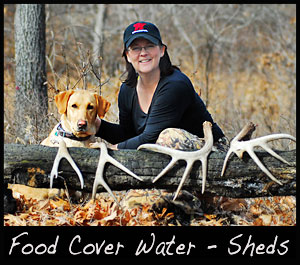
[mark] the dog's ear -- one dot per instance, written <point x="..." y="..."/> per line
<point x="102" y="106"/>
<point x="61" y="100"/>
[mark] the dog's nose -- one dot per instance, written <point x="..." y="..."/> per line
<point x="81" y="124"/>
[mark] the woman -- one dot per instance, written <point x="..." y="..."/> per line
<point x="155" y="96"/>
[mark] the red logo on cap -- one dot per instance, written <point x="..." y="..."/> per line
<point x="139" y="26"/>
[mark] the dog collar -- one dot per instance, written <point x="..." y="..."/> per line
<point x="61" y="132"/>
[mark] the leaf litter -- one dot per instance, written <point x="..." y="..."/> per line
<point x="150" y="208"/>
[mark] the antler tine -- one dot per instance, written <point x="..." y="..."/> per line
<point x="261" y="166"/>
<point x="120" y="166"/>
<point x="189" y="165"/>
<point x="189" y="156"/>
<point x="99" y="178"/>
<point x="229" y="152"/>
<point x="63" y="153"/>
<point x="276" y="136"/>
<point x="105" y="158"/>
<point x="209" y="141"/>
<point x="239" y="145"/>
<point x="204" y="171"/>
<point x="158" y="148"/>
<point x="166" y="169"/>
<point x="262" y="142"/>
<point x="175" y="155"/>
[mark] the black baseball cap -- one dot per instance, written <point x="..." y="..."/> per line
<point x="141" y="29"/>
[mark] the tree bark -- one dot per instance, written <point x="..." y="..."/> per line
<point x="101" y="16"/>
<point x="30" y="165"/>
<point x="31" y="91"/>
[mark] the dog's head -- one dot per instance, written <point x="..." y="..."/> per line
<point x="79" y="109"/>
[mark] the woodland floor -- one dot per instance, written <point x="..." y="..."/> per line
<point x="45" y="207"/>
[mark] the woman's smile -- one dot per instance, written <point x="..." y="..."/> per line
<point x="145" y="60"/>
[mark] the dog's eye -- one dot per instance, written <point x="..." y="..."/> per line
<point x="90" y="107"/>
<point x="74" y="106"/>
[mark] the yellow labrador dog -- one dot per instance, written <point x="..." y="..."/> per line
<point x="77" y="128"/>
<point x="79" y="109"/>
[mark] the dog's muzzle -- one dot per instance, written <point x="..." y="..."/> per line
<point x="82" y="125"/>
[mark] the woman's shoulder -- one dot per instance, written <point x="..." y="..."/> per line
<point x="126" y="95"/>
<point x="178" y="76"/>
<point x="177" y="80"/>
<point x="126" y="90"/>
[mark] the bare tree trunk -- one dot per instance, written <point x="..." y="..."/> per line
<point x="30" y="165"/>
<point x="31" y="105"/>
<point x="98" y="41"/>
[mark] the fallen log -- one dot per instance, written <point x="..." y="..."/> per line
<point x="31" y="164"/>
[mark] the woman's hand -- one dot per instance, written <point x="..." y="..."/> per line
<point x="112" y="146"/>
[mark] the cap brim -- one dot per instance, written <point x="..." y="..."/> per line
<point x="143" y="36"/>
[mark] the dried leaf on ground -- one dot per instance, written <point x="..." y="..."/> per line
<point x="150" y="208"/>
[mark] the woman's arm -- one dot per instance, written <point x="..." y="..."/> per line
<point x="115" y="133"/>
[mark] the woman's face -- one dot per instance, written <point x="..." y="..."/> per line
<point x="147" y="59"/>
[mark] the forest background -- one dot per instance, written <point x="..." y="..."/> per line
<point x="241" y="59"/>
